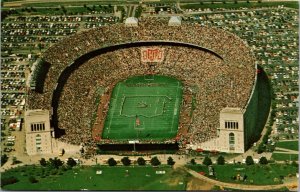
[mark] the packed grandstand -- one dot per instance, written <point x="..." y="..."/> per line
<point x="216" y="68"/>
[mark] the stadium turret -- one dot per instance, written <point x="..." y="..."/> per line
<point x="38" y="132"/>
<point x="175" y="21"/>
<point x="230" y="133"/>
<point x="131" y="22"/>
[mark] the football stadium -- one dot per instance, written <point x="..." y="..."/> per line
<point x="151" y="84"/>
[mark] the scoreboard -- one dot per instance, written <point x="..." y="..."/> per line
<point x="152" y="54"/>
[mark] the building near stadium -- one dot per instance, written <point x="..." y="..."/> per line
<point x="151" y="85"/>
<point x="38" y="132"/>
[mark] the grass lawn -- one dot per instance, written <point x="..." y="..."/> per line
<point x="283" y="157"/>
<point x="112" y="178"/>
<point x="293" y="145"/>
<point x="256" y="174"/>
<point x="198" y="168"/>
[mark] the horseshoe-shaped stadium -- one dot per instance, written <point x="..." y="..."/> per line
<point x="151" y="86"/>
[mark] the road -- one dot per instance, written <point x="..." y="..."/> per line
<point x="286" y="151"/>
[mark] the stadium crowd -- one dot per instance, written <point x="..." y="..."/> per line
<point x="217" y="82"/>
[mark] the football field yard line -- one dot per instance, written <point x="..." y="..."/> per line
<point x="113" y="109"/>
<point x="122" y="105"/>
<point x="157" y="102"/>
<point x="176" y="101"/>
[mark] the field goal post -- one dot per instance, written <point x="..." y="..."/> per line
<point x="139" y="129"/>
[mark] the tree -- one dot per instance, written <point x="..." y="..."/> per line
<point x="4" y="159"/>
<point x="15" y="161"/>
<point x="249" y="160"/>
<point x="8" y="180"/>
<point x="71" y="162"/>
<point x="263" y="160"/>
<point x="295" y="164"/>
<point x="43" y="162"/>
<point x="265" y="139"/>
<point x="154" y="161"/>
<point x="28" y="10"/>
<point x="126" y="161"/>
<point x="33" y="9"/>
<point x="141" y="161"/>
<point x="32" y="179"/>
<point x="207" y="161"/>
<point x="63" y="168"/>
<point x="111" y="162"/>
<point x="260" y="148"/>
<point x="220" y="160"/>
<point x="55" y="163"/>
<point x="193" y="162"/>
<point x="64" y="11"/>
<point x="170" y="161"/>
<point x="82" y="150"/>
<point x="287" y="137"/>
<point x="138" y="11"/>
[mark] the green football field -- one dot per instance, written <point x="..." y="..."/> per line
<point x="144" y="107"/>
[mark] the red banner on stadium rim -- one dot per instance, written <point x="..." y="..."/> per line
<point x="153" y="54"/>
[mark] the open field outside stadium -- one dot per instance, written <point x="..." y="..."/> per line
<point x="111" y="178"/>
<point x="144" y="107"/>
<point x="291" y="145"/>
<point x="285" y="157"/>
<point x="256" y="174"/>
